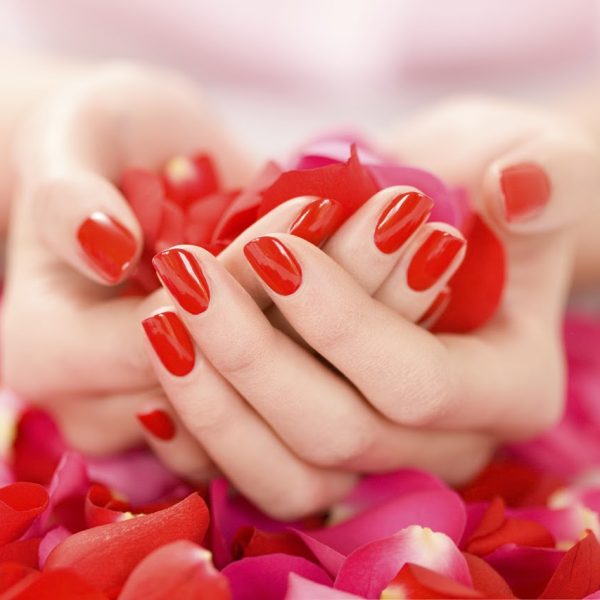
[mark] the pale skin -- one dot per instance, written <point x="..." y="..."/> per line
<point x="291" y="432"/>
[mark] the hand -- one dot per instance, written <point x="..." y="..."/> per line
<point x="70" y="342"/>
<point x="272" y="415"/>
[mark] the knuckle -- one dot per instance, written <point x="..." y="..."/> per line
<point x="342" y="450"/>
<point x="296" y="501"/>
<point x="250" y="352"/>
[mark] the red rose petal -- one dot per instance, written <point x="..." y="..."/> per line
<point x="350" y="183"/>
<point x="102" y="508"/>
<point x="20" y="504"/>
<point x="477" y="285"/>
<point x="181" y="571"/>
<point x="414" y="581"/>
<point x="187" y="178"/>
<point x="495" y="530"/>
<point x="517" y="484"/>
<point x="578" y="573"/>
<point x="146" y="195"/>
<point x="11" y="573"/>
<point x="62" y="584"/>
<point x="486" y="579"/>
<point x="105" y="555"/>
<point x="203" y="216"/>
<point x="243" y="210"/>
<point x="172" y="227"/>
<point x="24" y="552"/>
<point x="250" y="541"/>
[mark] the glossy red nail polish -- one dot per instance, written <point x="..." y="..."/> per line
<point x="171" y="342"/>
<point x="158" y="423"/>
<point x="107" y="245"/>
<point x="432" y="259"/>
<point x="274" y="264"/>
<point x="400" y="219"/>
<point x="318" y="221"/>
<point x="526" y="190"/>
<point x="182" y="274"/>
<point x="438" y="306"/>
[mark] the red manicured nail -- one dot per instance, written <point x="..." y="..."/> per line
<point x="107" y="245"/>
<point x="526" y="190"/>
<point x="400" y="219"/>
<point x="158" y="423"/>
<point x="435" y="311"/>
<point x="171" y="342"/>
<point x="274" y="264"/>
<point x="432" y="259"/>
<point x="182" y="275"/>
<point x="318" y="221"/>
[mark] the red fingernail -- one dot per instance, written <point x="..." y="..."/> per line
<point x="274" y="264"/>
<point x="171" y="342"/>
<point x="107" y="245"/>
<point x="182" y="275"/>
<point x="526" y="190"/>
<point x="400" y="219"/>
<point x="158" y="423"/>
<point x="435" y="311"/>
<point x="432" y="259"/>
<point x="318" y="221"/>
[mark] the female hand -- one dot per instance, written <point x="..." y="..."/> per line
<point x="267" y="410"/>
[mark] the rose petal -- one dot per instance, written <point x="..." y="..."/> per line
<point x="439" y="509"/>
<point x="304" y="589"/>
<point x="91" y="553"/>
<point x="203" y="215"/>
<point x="38" y="447"/>
<point x="368" y="570"/>
<point x="516" y="483"/>
<point x="243" y="210"/>
<point x="182" y="570"/>
<point x="477" y="284"/>
<point x="526" y="570"/>
<point x="327" y="557"/>
<point x="50" y="541"/>
<point x="350" y="183"/>
<point x="414" y="581"/>
<point x="24" y="552"/>
<point x="20" y="504"/>
<point x="578" y="573"/>
<point x="138" y="475"/>
<point x="496" y="529"/>
<point x="101" y="507"/>
<point x="485" y="579"/>
<point x="145" y="193"/>
<point x="12" y="573"/>
<point x="62" y="584"/>
<point x="187" y="178"/>
<point x="266" y="577"/>
<point x="250" y="541"/>
<point x="171" y="230"/>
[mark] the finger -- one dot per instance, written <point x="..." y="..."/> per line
<point x="281" y="381"/>
<point x="174" y="445"/>
<point x="236" y="438"/>
<point x="424" y="270"/>
<point x="370" y="242"/>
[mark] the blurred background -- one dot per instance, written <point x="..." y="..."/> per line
<point x="281" y="70"/>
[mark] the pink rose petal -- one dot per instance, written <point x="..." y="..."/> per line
<point x="304" y="589"/>
<point x="266" y="577"/>
<point x="368" y="570"/>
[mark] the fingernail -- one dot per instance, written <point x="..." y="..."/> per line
<point x="318" y="221"/>
<point x="432" y="259"/>
<point x="171" y="342"/>
<point x="182" y="275"/>
<point x="435" y="311"/>
<point x="158" y="423"/>
<point x="274" y="264"/>
<point x="526" y="190"/>
<point x="107" y="245"/>
<point x="400" y="219"/>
